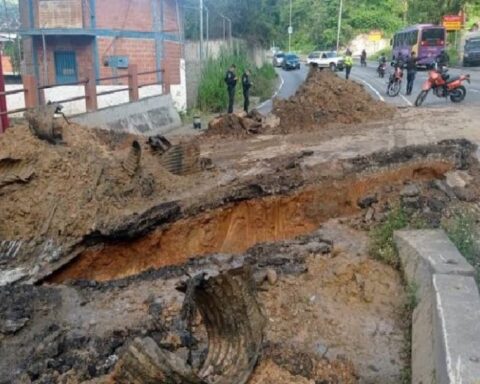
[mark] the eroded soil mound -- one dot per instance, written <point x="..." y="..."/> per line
<point x="326" y="99"/>
<point x="67" y="190"/>
<point x="236" y="125"/>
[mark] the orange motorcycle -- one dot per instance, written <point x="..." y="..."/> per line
<point x="443" y="86"/>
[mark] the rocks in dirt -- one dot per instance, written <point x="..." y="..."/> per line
<point x="458" y="179"/>
<point x="367" y="201"/>
<point x="236" y="125"/>
<point x="272" y="276"/>
<point x="327" y="99"/>
<point x="410" y="190"/>
<point x="15" y="171"/>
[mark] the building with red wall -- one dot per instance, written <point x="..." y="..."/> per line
<point x="65" y="39"/>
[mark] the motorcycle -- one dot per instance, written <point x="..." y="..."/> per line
<point x="363" y="61"/>
<point x="443" y="86"/>
<point x="382" y="68"/>
<point x="395" y="81"/>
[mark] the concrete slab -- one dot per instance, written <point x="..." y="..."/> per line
<point x="457" y="330"/>
<point x="426" y="252"/>
<point x="446" y="322"/>
<point x="150" y="116"/>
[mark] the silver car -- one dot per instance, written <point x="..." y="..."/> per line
<point x="278" y="59"/>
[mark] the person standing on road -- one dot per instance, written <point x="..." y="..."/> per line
<point x="348" y="61"/>
<point x="411" y="72"/>
<point x="231" y="81"/>
<point x="246" y="85"/>
<point x="363" y="58"/>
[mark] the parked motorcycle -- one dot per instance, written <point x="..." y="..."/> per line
<point x="443" y="86"/>
<point x="395" y="81"/>
<point x="382" y="68"/>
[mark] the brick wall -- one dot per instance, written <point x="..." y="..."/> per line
<point x="82" y="46"/>
<point x="133" y="15"/>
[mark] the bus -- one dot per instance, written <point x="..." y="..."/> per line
<point x="426" y="40"/>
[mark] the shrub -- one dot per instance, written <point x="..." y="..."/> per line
<point x="212" y="91"/>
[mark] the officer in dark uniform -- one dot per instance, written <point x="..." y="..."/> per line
<point x="246" y="85"/>
<point x="231" y="81"/>
<point x="411" y="72"/>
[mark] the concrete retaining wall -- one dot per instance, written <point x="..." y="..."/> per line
<point x="446" y="322"/>
<point x="150" y="116"/>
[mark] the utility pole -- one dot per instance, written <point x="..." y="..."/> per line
<point x="208" y="31"/>
<point x="339" y="24"/>
<point x="290" y="30"/>
<point x="201" y="29"/>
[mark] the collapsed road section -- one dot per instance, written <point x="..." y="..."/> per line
<point x="132" y="260"/>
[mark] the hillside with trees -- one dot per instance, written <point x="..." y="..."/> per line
<point x="315" y="21"/>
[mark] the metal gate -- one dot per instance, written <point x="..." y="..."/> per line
<point x="65" y="67"/>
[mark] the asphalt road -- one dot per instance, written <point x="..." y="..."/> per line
<point x="377" y="87"/>
<point x="289" y="81"/>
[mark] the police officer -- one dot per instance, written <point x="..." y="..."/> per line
<point x="411" y="72"/>
<point x="246" y="85"/>
<point x="231" y="81"/>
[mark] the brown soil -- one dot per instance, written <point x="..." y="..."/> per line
<point x="326" y="99"/>
<point x="78" y="186"/>
<point x="233" y="229"/>
<point x="346" y="306"/>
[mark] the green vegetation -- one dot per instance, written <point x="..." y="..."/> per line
<point x="382" y="246"/>
<point x="461" y="230"/>
<point x="212" y="91"/>
<point x="315" y="21"/>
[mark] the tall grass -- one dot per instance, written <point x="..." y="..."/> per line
<point x="212" y="90"/>
<point x="462" y="231"/>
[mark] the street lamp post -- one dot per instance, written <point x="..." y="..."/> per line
<point x="290" y="30"/>
<point x="339" y="24"/>
<point x="201" y="29"/>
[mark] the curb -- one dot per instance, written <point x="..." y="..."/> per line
<point x="446" y="322"/>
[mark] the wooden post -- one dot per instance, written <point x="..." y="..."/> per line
<point x="91" y="92"/>
<point x="133" y="82"/>
<point x="31" y="91"/>
<point x="3" y="101"/>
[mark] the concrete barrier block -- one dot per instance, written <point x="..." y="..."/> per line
<point x="457" y="329"/>
<point x="150" y="116"/>
<point x="446" y="322"/>
<point x="427" y="252"/>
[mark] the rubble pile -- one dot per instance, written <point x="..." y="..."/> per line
<point x="236" y="125"/>
<point x="326" y="99"/>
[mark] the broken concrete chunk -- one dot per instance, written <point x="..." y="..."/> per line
<point x="367" y="201"/>
<point x="411" y="190"/>
<point x="458" y="179"/>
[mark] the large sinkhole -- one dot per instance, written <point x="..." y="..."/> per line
<point x="236" y="227"/>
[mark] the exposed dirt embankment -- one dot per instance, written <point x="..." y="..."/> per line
<point x="78" y="186"/>
<point x="326" y="99"/>
<point x="236" y="227"/>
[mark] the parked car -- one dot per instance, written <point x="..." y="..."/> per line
<point x="326" y="59"/>
<point x="471" y="52"/>
<point x="278" y="59"/>
<point x="291" y="61"/>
